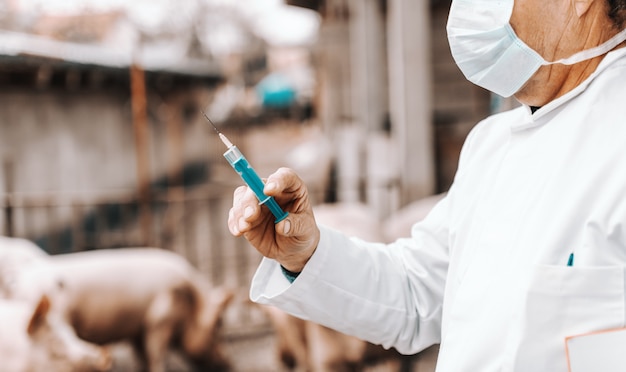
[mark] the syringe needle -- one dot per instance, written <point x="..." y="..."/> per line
<point x="222" y="137"/>
<point x="209" y="120"/>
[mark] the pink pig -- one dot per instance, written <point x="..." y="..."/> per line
<point x="149" y="296"/>
<point x="304" y="345"/>
<point x="32" y="340"/>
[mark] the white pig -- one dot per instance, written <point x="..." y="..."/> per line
<point x="149" y="296"/>
<point x="17" y="280"/>
<point x="307" y="346"/>
<point x="32" y="341"/>
<point x="399" y="224"/>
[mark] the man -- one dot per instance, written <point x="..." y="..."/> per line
<point x="529" y="245"/>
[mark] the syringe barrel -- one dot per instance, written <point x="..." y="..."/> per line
<point x="252" y="179"/>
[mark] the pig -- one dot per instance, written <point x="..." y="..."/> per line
<point x="16" y="255"/>
<point x="290" y="338"/>
<point x="331" y="351"/>
<point x="306" y="346"/>
<point x="399" y="224"/>
<point x="26" y="273"/>
<point x="149" y="296"/>
<point x="31" y="341"/>
<point x="353" y="219"/>
<point x="20" y="250"/>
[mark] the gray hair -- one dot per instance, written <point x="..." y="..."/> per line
<point x="617" y="12"/>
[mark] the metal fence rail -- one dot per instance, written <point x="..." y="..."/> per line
<point x="192" y="223"/>
<point x="189" y="222"/>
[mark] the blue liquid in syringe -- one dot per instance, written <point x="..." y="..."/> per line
<point x="251" y="178"/>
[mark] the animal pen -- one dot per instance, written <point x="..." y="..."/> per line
<point x="100" y="157"/>
<point x="96" y="155"/>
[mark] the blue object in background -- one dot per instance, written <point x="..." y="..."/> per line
<point x="276" y="91"/>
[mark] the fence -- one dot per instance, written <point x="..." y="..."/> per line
<point x="191" y="222"/>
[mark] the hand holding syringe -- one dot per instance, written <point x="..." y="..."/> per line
<point x="250" y="177"/>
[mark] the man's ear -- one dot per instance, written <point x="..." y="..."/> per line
<point x="582" y="6"/>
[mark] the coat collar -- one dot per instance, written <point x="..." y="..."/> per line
<point x="532" y="120"/>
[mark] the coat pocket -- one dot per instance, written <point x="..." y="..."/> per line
<point x="563" y="301"/>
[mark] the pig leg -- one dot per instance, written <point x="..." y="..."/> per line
<point x="139" y="349"/>
<point x="292" y="343"/>
<point x="290" y="338"/>
<point x="332" y="351"/>
<point x="161" y="320"/>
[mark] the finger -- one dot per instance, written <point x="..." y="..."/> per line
<point x="281" y="181"/>
<point x="296" y="224"/>
<point x="245" y="203"/>
<point x="284" y="227"/>
<point x="238" y="195"/>
<point x="243" y="226"/>
<point x="245" y="209"/>
<point x="232" y="224"/>
<point x="248" y="198"/>
<point x="235" y="212"/>
<point x="249" y="211"/>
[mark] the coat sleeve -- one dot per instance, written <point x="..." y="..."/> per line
<point x="386" y="294"/>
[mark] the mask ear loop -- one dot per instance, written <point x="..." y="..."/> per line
<point x="599" y="50"/>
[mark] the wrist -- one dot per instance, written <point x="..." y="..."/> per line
<point x="295" y="263"/>
<point x="296" y="258"/>
<point x="290" y="275"/>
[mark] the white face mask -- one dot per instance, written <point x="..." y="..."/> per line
<point x="490" y="54"/>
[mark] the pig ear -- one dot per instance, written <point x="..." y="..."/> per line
<point x="39" y="315"/>
<point x="223" y="296"/>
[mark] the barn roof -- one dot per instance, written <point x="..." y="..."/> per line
<point x="16" y="46"/>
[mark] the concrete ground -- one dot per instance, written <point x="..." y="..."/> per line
<point x="255" y="353"/>
<point x="250" y="354"/>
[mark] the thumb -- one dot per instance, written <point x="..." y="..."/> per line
<point x="295" y="225"/>
<point x="284" y="227"/>
<point x="300" y="234"/>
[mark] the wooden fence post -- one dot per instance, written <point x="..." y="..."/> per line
<point x="140" y="125"/>
<point x="7" y="168"/>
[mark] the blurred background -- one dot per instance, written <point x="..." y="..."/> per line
<point x="103" y="144"/>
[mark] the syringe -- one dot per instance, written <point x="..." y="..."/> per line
<point x="247" y="173"/>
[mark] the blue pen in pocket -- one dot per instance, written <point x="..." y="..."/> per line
<point x="570" y="260"/>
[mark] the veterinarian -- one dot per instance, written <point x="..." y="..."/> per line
<point x="528" y="248"/>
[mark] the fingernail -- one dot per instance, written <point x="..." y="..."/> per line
<point x="271" y="186"/>
<point x="248" y="212"/>
<point x="286" y="227"/>
<point x="242" y="225"/>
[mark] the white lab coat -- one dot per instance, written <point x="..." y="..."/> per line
<point x="485" y="274"/>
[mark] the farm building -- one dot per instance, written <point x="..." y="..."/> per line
<point x="104" y="147"/>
